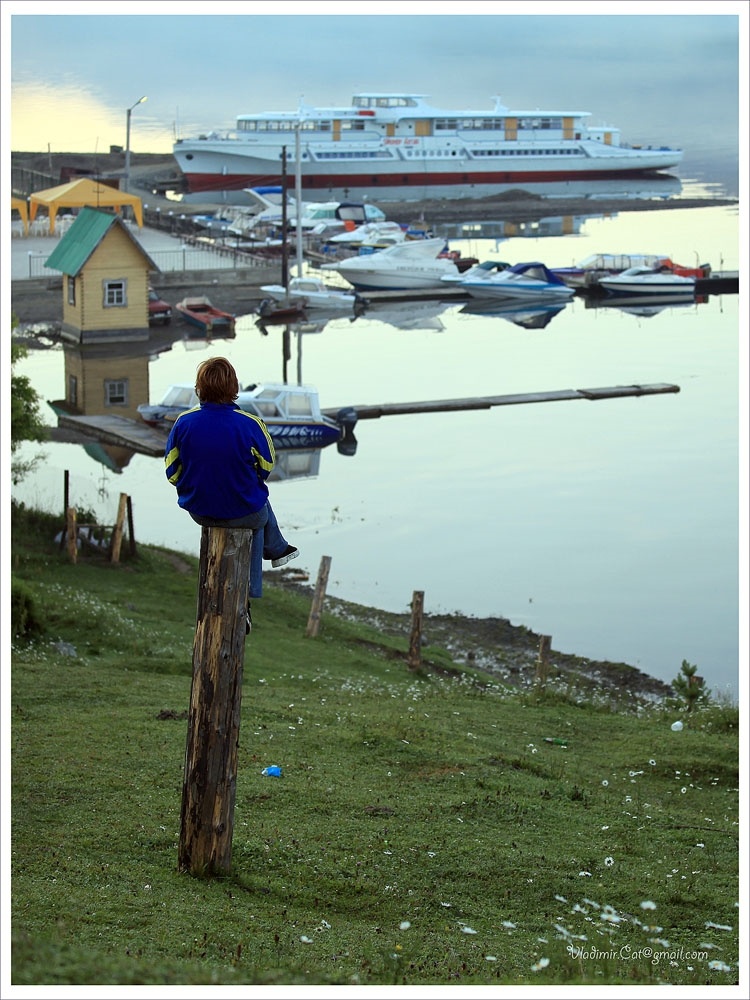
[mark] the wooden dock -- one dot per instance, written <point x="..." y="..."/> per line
<point x="139" y="437"/>
<point x="119" y="431"/>
<point x="370" y="412"/>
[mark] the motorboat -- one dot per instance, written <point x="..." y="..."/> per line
<point x="530" y="279"/>
<point x="291" y="412"/>
<point x="199" y="311"/>
<point x="311" y="293"/>
<point x="320" y="218"/>
<point x="480" y="270"/>
<point x="409" y="143"/>
<point x="409" y="264"/>
<point x="660" y="281"/>
<point x="603" y="265"/>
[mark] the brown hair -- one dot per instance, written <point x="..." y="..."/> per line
<point x="216" y="381"/>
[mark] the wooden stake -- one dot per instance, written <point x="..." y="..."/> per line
<point x="210" y="778"/>
<point x="313" y="622"/>
<point x="542" y="663"/>
<point x="131" y="531"/>
<point x="71" y="534"/>
<point x="66" y="503"/>
<point x="116" y="543"/>
<point x="415" y="641"/>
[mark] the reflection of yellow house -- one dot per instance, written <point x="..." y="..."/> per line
<point x="107" y="380"/>
<point x="97" y="383"/>
<point x="105" y="280"/>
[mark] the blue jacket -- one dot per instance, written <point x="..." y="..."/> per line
<point x="218" y="457"/>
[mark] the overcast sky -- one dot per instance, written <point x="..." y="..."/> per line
<point x="665" y="77"/>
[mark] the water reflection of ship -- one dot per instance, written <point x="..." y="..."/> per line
<point x="654" y="186"/>
<point x="529" y="315"/>
<point x="553" y="225"/>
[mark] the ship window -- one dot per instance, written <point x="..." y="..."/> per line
<point x="115" y="392"/>
<point x="353" y="126"/>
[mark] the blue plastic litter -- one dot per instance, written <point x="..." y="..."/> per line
<point x="274" y="771"/>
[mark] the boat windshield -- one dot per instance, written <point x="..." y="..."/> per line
<point x="181" y="395"/>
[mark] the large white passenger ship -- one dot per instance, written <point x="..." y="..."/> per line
<point x="398" y="141"/>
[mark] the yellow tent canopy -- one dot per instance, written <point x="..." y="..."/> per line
<point x="22" y="208"/>
<point x="82" y="192"/>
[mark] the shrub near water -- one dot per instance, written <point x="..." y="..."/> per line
<point x="422" y="832"/>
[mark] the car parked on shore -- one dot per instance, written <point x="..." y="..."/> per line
<point x="159" y="311"/>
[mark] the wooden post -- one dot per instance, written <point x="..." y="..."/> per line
<point x="542" y="663"/>
<point x="71" y="533"/>
<point x="66" y="503"/>
<point x="210" y="778"/>
<point x="116" y="543"/>
<point x="313" y="622"/>
<point x="131" y="530"/>
<point x="415" y="641"/>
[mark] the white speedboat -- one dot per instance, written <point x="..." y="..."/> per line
<point x="291" y="412"/>
<point x="371" y="234"/>
<point x="659" y="281"/>
<point x="312" y="293"/>
<point x="596" y="266"/>
<point x="527" y="280"/>
<point x="409" y="264"/>
<point x="385" y="140"/>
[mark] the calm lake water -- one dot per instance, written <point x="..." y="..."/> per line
<point x="612" y="526"/>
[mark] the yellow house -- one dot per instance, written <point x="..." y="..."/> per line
<point x="105" y="280"/>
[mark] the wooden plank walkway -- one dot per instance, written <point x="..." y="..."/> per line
<point x="370" y="412"/>
<point x="145" y="440"/>
<point x="121" y="431"/>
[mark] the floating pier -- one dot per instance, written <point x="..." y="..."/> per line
<point x="145" y="440"/>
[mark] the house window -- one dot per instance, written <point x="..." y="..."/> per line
<point x="116" y="392"/>
<point x="72" y="390"/>
<point x="115" y="293"/>
<point x="71" y="290"/>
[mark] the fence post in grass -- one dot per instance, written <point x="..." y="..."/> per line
<point x="210" y="777"/>
<point x="542" y="661"/>
<point x="415" y="640"/>
<point x="71" y="533"/>
<point x="116" y="543"/>
<point x="313" y="622"/>
<point x="66" y="504"/>
<point x="131" y="530"/>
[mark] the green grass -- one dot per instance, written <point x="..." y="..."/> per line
<point x="423" y="832"/>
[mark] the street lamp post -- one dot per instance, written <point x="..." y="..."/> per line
<point x="127" y="142"/>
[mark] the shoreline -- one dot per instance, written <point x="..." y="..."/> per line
<point x="152" y="172"/>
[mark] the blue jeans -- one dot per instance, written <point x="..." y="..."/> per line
<point x="268" y="542"/>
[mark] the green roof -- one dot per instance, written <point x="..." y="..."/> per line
<point x="83" y="237"/>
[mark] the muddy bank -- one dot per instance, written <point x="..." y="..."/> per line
<point x="506" y="653"/>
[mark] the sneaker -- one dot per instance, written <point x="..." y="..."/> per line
<point x="248" y="620"/>
<point x="289" y="553"/>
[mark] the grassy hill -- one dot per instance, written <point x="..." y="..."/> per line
<point x="424" y="830"/>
